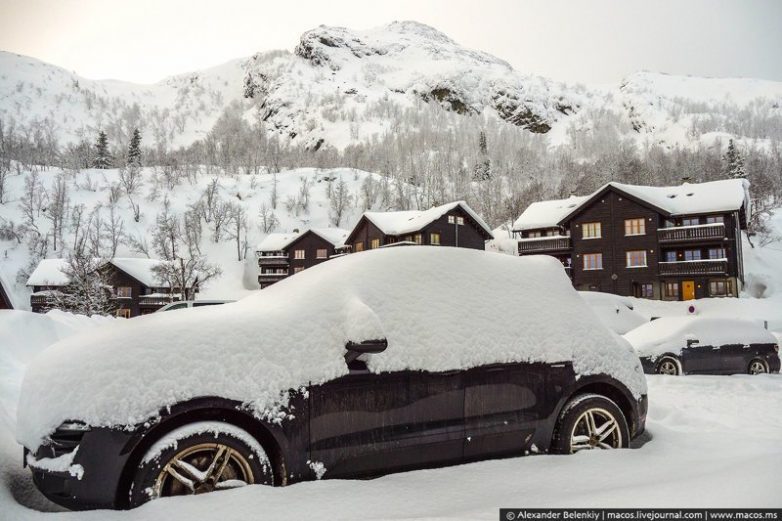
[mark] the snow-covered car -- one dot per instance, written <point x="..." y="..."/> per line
<point x="705" y="345"/>
<point x="380" y="361"/>
<point x="185" y="304"/>
<point x="614" y="311"/>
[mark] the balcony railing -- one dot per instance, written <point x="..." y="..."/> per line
<point x="272" y="261"/>
<point x="695" y="267"/>
<point x="691" y="233"/>
<point x="147" y="300"/>
<point x="542" y="244"/>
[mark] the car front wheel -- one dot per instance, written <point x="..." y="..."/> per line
<point x="668" y="365"/>
<point x="198" y="458"/>
<point x="757" y="366"/>
<point x="590" y="421"/>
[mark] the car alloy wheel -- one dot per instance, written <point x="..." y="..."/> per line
<point x="757" y="366"/>
<point x="203" y="468"/>
<point x="596" y="428"/>
<point x="668" y="366"/>
<point x="590" y="421"/>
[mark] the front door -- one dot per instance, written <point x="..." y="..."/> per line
<point x="688" y="289"/>
<point x="368" y="423"/>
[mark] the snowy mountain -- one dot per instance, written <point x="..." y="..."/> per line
<point x="341" y="86"/>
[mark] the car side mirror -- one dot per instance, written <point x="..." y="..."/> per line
<point x="692" y="341"/>
<point x="356" y="349"/>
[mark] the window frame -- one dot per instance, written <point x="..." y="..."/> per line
<point x="325" y="253"/>
<point x="668" y="285"/>
<point x="374" y="244"/>
<point x="359" y="246"/>
<point x="595" y="227"/>
<point x="642" y="290"/>
<point x="629" y="256"/>
<point x="629" y="226"/>
<point x="432" y="236"/>
<point x="597" y="256"/>
<point x="119" y="293"/>
<point x="700" y="255"/>
<point x="299" y="255"/>
<point x="123" y="313"/>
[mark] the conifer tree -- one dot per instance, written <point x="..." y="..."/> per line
<point x="134" y="150"/>
<point x="102" y="156"/>
<point x="734" y="163"/>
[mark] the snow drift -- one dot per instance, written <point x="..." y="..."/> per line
<point x="440" y="309"/>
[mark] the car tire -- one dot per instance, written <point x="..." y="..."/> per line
<point x="590" y="421"/>
<point x="668" y="365"/>
<point x="197" y="458"/>
<point x="757" y="366"/>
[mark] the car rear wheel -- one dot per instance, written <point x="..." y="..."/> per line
<point x="668" y="365"/>
<point x="199" y="458"/>
<point x="590" y="421"/>
<point x="757" y="366"/>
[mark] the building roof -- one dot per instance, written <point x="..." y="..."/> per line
<point x="399" y="223"/>
<point x="685" y="199"/>
<point x="546" y="214"/>
<point x="140" y="269"/>
<point x="49" y="272"/>
<point x="280" y="241"/>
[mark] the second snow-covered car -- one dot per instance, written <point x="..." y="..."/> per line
<point x="375" y="362"/>
<point x="704" y="345"/>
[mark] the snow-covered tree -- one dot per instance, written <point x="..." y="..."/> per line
<point x="340" y="201"/>
<point x="734" y="163"/>
<point x="102" y="156"/>
<point x="89" y="291"/>
<point x="134" y="150"/>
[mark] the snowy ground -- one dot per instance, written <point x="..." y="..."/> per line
<point x="712" y="441"/>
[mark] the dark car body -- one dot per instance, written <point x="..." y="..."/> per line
<point x="360" y="425"/>
<point x="722" y="359"/>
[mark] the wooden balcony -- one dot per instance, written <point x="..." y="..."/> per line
<point x="691" y="233"/>
<point x="543" y="244"/>
<point x="273" y="260"/>
<point x="698" y="267"/>
<point x="155" y="300"/>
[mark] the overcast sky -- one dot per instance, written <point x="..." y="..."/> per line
<point x="584" y="41"/>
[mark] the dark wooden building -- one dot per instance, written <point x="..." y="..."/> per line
<point x="283" y="254"/>
<point x="5" y="297"/>
<point x="132" y="284"/>
<point x="453" y="224"/>
<point x="670" y="243"/>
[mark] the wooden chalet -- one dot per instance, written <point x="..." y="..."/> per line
<point x="670" y="243"/>
<point x="283" y="254"/>
<point x="452" y="224"/>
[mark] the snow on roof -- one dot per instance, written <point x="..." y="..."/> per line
<point x="277" y="241"/>
<point x="687" y="198"/>
<point x="401" y="222"/>
<point x="439" y="309"/>
<point x="49" y="272"/>
<point x="140" y="269"/>
<point x="335" y="236"/>
<point x="696" y="198"/>
<point x="547" y="214"/>
<point x="670" y="334"/>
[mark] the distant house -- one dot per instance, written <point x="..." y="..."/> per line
<point x="283" y="254"/>
<point x="5" y="297"/>
<point x="453" y="224"/>
<point x="131" y="282"/>
<point x="670" y="243"/>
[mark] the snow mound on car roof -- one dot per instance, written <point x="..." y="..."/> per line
<point x="670" y="334"/>
<point x="439" y="308"/>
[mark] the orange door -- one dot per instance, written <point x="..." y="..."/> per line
<point x="688" y="289"/>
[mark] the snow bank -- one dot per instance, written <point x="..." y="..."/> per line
<point x="440" y="309"/>
<point x="670" y="334"/>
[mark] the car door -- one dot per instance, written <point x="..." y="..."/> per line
<point x="503" y="406"/>
<point x="366" y="423"/>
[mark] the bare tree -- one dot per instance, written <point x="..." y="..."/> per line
<point x="57" y="208"/>
<point x="238" y="224"/>
<point x="341" y="199"/>
<point x="115" y="230"/>
<point x="269" y="220"/>
<point x="88" y="291"/>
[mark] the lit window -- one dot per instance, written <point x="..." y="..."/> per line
<point x="692" y="255"/>
<point x="298" y="254"/>
<point x="374" y="244"/>
<point x="123" y="313"/>
<point x="451" y="219"/>
<point x="591" y="231"/>
<point x="124" y="292"/>
<point x="593" y="261"/>
<point x="322" y="253"/>
<point x="460" y="220"/>
<point x="434" y="239"/>
<point x="635" y="227"/>
<point x="359" y="246"/>
<point x="672" y="289"/>
<point x="717" y="253"/>
<point x="636" y="259"/>
<point x="418" y="239"/>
